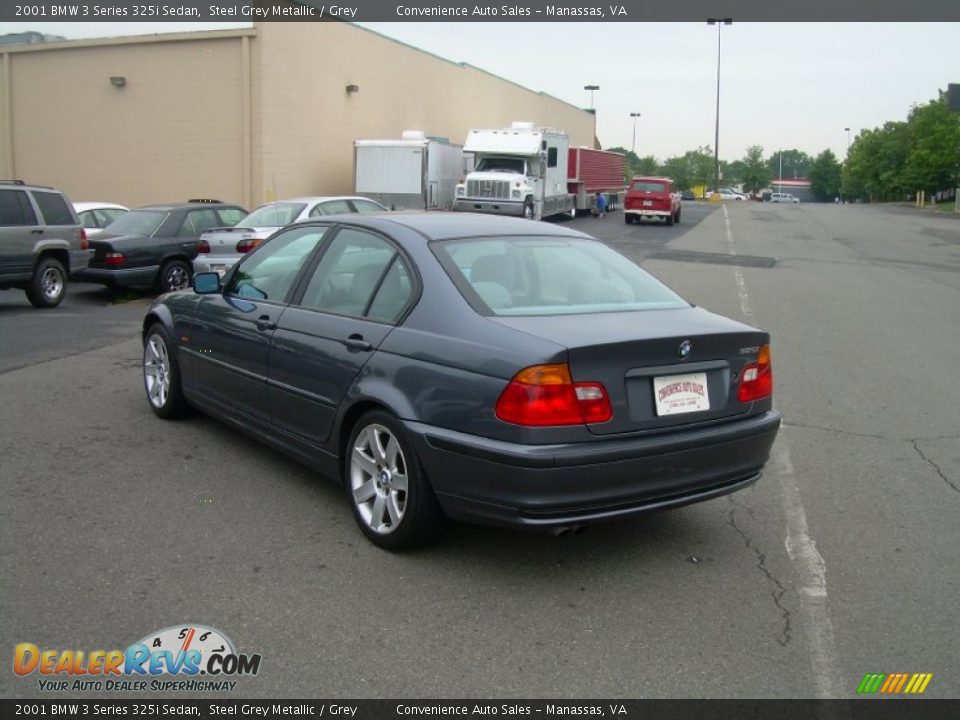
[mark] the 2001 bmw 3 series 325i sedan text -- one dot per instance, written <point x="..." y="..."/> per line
<point x="472" y="367"/>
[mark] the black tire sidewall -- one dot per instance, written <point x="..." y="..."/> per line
<point x="175" y="405"/>
<point x="165" y="270"/>
<point x="422" y="517"/>
<point x="35" y="289"/>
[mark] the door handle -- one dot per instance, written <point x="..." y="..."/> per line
<point x="38" y="231"/>
<point x="356" y="342"/>
<point x="263" y="323"/>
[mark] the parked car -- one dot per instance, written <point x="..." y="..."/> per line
<point x="95" y="216"/>
<point x="687" y="195"/>
<point x="782" y="197"/>
<point x="221" y="248"/>
<point x="42" y="242"/>
<point x="154" y="245"/>
<point x="465" y="366"/>
<point x="728" y="194"/>
<point x="651" y="197"/>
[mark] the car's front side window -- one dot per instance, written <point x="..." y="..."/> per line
<point x="271" y="271"/>
<point x="350" y="273"/>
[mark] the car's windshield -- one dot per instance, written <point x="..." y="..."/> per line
<point x="273" y="215"/>
<point x="500" y="164"/>
<point x="549" y="276"/>
<point x="137" y="222"/>
<point x="646" y="186"/>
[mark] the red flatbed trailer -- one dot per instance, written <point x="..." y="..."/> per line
<point x="591" y="171"/>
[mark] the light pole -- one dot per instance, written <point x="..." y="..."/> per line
<point x="591" y="88"/>
<point x="634" y="116"/>
<point x="848" y="141"/>
<point x="780" y="181"/>
<point x="719" y="22"/>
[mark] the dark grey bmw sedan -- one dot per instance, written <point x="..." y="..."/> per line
<point x="472" y="367"/>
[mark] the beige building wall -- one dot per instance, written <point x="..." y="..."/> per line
<point x="242" y="115"/>
<point x="309" y="121"/>
<point x="171" y="133"/>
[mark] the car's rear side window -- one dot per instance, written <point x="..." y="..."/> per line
<point x="15" y="209"/>
<point x="54" y="208"/>
<point x="231" y="216"/>
<point x="537" y="276"/>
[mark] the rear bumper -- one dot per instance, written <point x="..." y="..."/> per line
<point x="648" y="212"/>
<point x="213" y="263"/>
<point x="553" y="485"/>
<point x="79" y="260"/>
<point x="489" y="205"/>
<point x="120" y="277"/>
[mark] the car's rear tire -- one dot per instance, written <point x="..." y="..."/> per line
<point x="48" y="285"/>
<point x="668" y="219"/>
<point x="161" y="375"/>
<point x="677" y="218"/>
<point x="628" y="219"/>
<point x="174" y="275"/>
<point x="388" y="490"/>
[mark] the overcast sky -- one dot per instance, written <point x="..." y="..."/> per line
<point x="782" y="85"/>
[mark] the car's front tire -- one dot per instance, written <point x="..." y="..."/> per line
<point x="161" y="375"/>
<point x="48" y="285"/>
<point x="174" y="275"/>
<point x="388" y="490"/>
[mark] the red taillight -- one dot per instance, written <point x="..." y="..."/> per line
<point x="546" y="395"/>
<point x="245" y="246"/>
<point x="756" y="380"/>
<point x="84" y="243"/>
<point x="114" y="258"/>
<point x="203" y="246"/>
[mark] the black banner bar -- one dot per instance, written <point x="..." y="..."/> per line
<point x="860" y="709"/>
<point x="481" y="11"/>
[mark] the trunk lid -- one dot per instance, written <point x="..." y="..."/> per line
<point x="637" y="357"/>
<point x="223" y="241"/>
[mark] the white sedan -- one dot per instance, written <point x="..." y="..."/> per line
<point x="221" y="248"/>
<point x="95" y="216"/>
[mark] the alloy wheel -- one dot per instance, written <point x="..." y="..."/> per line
<point x="156" y="371"/>
<point x="378" y="479"/>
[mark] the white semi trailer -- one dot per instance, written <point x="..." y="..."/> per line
<point x="415" y="172"/>
<point x="519" y="170"/>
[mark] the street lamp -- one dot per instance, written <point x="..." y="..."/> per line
<point x="591" y="88"/>
<point x="719" y="22"/>
<point x="634" y="116"/>
<point x="848" y="141"/>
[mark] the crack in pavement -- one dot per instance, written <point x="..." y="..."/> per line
<point x="870" y="435"/>
<point x="916" y="446"/>
<point x="777" y="594"/>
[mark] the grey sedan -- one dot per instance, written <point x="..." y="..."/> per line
<point x="469" y="367"/>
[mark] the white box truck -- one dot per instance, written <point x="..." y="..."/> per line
<point x="519" y="170"/>
<point x="416" y="172"/>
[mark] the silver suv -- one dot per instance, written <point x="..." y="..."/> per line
<point x="42" y="242"/>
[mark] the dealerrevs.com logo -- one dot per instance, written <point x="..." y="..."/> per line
<point x="185" y="657"/>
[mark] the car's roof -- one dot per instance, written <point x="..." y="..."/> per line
<point x="316" y="199"/>
<point x="90" y="205"/>
<point x="167" y="207"/>
<point x="447" y="225"/>
<point x="651" y="177"/>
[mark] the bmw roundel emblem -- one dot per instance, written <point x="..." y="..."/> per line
<point x="684" y="350"/>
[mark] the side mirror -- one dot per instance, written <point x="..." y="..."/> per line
<point x="206" y="283"/>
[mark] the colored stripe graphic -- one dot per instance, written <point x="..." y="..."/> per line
<point x="871" y="682"/>
<point x="894" y="683"/>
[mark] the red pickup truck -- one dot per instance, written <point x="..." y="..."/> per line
<point x="652" y="197"/>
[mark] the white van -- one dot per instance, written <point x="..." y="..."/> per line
<point x="784" y="197"/>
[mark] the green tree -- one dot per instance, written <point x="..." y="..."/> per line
<point x="694" y="167"/>
<point x="756" y="175"/>
<point x="876" y="163"/>
<point x="933" y="162"/>
<point x="634" y="165"/>
<point x="796" y="164"/>
<point x="825" y="175"/>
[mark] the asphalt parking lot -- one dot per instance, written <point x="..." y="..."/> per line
<point x="842" y="560"/>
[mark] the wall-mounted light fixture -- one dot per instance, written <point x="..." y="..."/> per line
<point x="118" y="81"/>
<point x="352" y="89"/>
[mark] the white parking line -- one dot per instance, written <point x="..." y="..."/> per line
<point x="801" y="548"/>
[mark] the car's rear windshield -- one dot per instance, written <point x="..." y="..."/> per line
<point x="273" y="215"/>
<point x="647" y="186"/>
<point x="137" y="222"/>
<point x="536" y="276"/>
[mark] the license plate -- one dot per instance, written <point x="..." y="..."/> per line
<point x="676" y="394"/>
<point x="220" y="270"/>
<point x="648" y="203"/>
